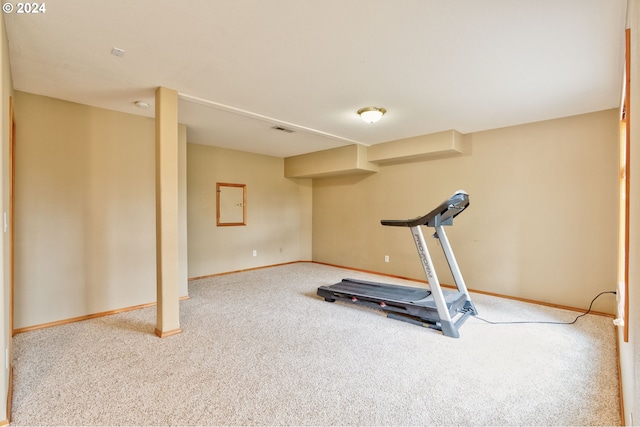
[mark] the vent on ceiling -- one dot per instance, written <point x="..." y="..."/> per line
<point x="281" y="129"/>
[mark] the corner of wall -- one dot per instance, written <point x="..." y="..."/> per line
<point x="5" y="248"/>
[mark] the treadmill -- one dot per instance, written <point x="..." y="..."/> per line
<point x="435" y="308"/>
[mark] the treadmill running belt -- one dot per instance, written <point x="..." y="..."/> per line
<point x="380" y="291"/>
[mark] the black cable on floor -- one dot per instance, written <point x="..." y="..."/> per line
<point x="551" y="323"/>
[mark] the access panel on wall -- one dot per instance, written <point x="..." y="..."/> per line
<point x="231" y="204"/>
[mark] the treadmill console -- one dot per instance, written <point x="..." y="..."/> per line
<point x="442" y="215"/>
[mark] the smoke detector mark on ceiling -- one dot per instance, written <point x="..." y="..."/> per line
<point x="282" y="129"/>
<point x="116" y="51"/>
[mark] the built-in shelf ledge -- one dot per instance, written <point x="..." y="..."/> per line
<point x="435" y="145"/>
<point x="351" y="159"/>
<point x="358" y="159"/>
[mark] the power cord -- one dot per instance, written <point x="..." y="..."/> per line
<point x="551" y="323"/>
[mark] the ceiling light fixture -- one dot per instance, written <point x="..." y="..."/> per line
<point x="371" y="114"/>
<point x="142" y="104"/>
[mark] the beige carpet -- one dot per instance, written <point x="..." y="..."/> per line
<point x="260" y="348"/>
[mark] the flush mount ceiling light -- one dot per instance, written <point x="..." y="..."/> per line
<point x="371" y="114"/>
<point x="142" y="104"/>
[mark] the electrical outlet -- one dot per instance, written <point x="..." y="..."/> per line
<point x="255" y="252"/>
<point x="386" y="258"/>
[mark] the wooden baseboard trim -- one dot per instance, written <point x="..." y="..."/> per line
<point x="208" y="276"/>
<point x="493" y="294"/>
<point x="165" y="334"/>
<point x="7" y="420"/>
<point x="137" y="307"/>
<point x="87" y="317"/>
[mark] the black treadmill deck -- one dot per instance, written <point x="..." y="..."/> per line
<point x="380" y="290"/>
<point x="416" y="304"/>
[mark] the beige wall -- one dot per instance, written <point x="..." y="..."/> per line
<point x="85" y="233"/>
<point x="278" y="212"/>
<point x="85" y="210"/>
<point x="541" y="224"/>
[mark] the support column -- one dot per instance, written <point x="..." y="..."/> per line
<point x="167" y="242"/>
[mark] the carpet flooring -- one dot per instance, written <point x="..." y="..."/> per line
<point x="260" y="348"/>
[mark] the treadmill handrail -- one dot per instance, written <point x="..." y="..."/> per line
<point x="442" y="215"/>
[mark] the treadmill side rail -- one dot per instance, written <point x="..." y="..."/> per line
<point x="453" y="266"/>
<point x="430" y="272"/>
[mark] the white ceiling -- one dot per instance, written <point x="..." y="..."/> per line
<point x="242" y="66"/>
